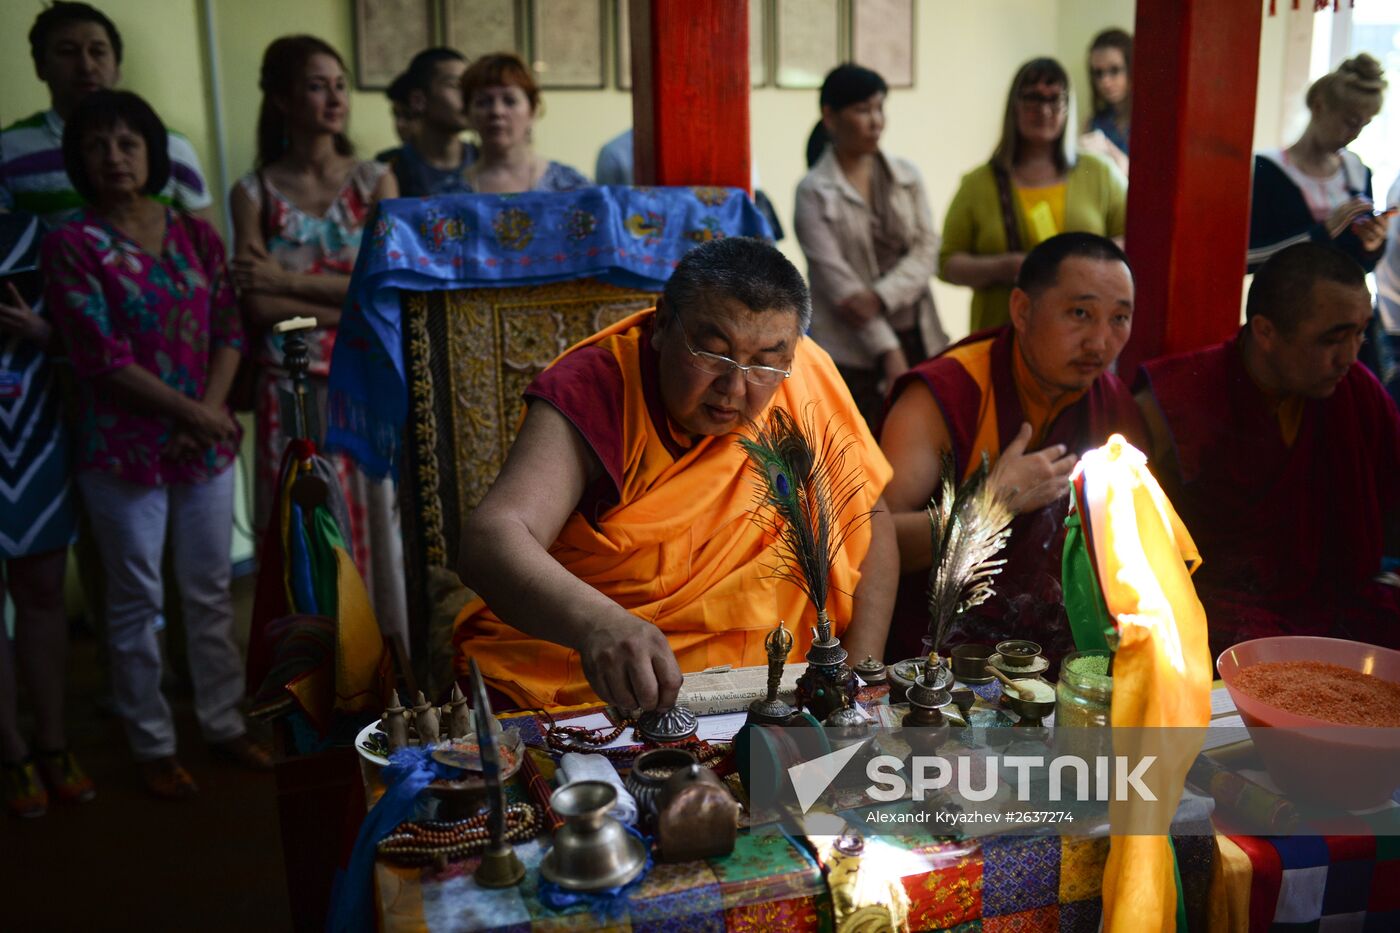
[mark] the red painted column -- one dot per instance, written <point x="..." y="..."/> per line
<point x="690" y="92"/>
<point x="1195" y="70"/>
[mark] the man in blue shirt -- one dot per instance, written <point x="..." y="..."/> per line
<point x="432" y="162"/>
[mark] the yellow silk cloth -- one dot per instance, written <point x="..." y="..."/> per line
<point x="681" y="549"/>
<point x="361" y="674"/>
<point x="1038" y="409"/>
<point x="1230" y="878"/>
<point x="1161" y="671"/>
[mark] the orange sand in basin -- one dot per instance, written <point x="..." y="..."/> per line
<point x="1328" y="692"/>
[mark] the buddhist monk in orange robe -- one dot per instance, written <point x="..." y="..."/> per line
<point x="1032" y="396"/>
<point x="616" y="550"/>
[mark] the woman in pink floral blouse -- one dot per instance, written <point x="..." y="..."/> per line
<point x="142" y="297"/>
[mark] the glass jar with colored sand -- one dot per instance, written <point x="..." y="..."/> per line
<point x="1085" y="691"/>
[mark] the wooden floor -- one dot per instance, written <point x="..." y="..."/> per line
<point x="127" y="861"/>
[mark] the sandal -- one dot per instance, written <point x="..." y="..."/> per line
<point x="66" y="780"/>
<point x="166" y="779"/>
<point x="243" y="751"/>
<point x="25" y="796"/>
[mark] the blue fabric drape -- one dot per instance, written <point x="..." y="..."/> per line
<point x="409" y="772"/>
<point x="630" y="237"/>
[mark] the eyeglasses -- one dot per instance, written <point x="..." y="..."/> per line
<point x="1033" y="101"/>
<point x="713" y="364"/>
<point x="1111" y="71"/>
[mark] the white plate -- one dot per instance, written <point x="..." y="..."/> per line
<point x="365" y="753"/>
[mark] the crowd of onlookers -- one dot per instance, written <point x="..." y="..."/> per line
<point x="114" y="267"/>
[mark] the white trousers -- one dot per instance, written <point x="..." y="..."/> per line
<point x="129" y="524"/>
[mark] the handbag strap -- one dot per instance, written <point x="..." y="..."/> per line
<point x="1008" y="209"/>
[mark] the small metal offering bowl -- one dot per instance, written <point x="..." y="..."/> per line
<point x="466" y="796"/>
<point x="901" y="676"/>
<point x="650" y="772"/>
<point x="592" y="851"/>
<point x="970" y="663"/>
<point x="1018" y="652"/>
<point x="1030" y="711"/>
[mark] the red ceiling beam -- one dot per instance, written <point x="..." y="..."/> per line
<point x="1195" y="65"/>
<point x="690" y="92"/>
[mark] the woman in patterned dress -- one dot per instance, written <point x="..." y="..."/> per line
<point x="140" y="293"/>
<point x="36" y="527"/>
<point x="297" y="221"/>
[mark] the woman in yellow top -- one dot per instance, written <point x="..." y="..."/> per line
<point x="1033" y="188"/>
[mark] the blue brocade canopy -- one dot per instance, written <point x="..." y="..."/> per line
<point x="630" y="237"/>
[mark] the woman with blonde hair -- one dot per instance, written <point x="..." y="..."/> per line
<point x="1035" y="186"/>
<point x="1317" y="189"/>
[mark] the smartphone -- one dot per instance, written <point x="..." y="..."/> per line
<point x="1369" y="215"/>
<point x="28" y="281"/>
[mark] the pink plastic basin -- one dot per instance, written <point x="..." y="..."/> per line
<point x="1318" y="762"/>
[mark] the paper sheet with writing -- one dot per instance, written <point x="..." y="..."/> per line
<point x="732" y="689"/>
<point x="1224" y="731"/>
<point x="1221" y="704"/>
<point x="720" y="727"/>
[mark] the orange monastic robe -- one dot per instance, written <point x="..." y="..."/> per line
<point x="669" y="535"/>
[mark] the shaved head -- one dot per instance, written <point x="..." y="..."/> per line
<point x="1041" y="268"/>
<point x="1284" y="290"/>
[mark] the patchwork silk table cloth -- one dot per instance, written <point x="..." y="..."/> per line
<point x="1312" y="883"/>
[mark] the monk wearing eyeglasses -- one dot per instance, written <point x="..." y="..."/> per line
<point x="615" y="551"/>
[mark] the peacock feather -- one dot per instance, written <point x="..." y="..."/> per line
<point x="804" y="489"/>
<point x="970" y="524"/>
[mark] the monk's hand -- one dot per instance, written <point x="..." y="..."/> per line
<point x="1031" y="481"/>
<point x="629" y="664"/>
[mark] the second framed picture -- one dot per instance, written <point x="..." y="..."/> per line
<point x="480" y="27"/>
<point x="882" y="38"/>
<point x="809" y="41"/>
<point x="566" y="43"/>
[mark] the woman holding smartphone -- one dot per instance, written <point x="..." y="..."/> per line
<point x="1317" y="189"/>
<point x="37" y="524"/>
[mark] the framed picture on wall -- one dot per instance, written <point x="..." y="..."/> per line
<point x="387" y="34"/>
<point x="808" y="42"/>
<point x="622" y="39"/>
<point x="480" y="27"/>
<point x="758" y="43"/>
<point x="882" y="38"/>
<point x="566" y="43"/>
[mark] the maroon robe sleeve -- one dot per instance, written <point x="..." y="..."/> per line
<point x="586" y="388"/>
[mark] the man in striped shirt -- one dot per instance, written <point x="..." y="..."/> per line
<point x="76" y="50"/>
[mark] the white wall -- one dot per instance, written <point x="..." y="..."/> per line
<point x="948" y="123"/>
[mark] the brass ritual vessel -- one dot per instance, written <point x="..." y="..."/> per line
<point x="592" y="851"/>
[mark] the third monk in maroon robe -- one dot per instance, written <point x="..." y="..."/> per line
<point x="1282" y="455"/>
<point x="1033" y="397"/>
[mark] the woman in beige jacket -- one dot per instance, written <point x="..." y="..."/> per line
<point x="864" y="225"/>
